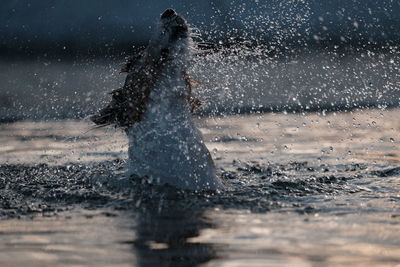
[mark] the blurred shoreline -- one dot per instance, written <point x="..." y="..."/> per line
<point x="240" y="80"/>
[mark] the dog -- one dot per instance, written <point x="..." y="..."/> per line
<point x="154" y="108"/>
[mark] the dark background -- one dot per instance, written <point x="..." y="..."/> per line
<point x="58" y="59"/>
<point x="29" y="27"/>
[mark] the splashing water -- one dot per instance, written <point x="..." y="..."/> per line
<point x="305" y="188"/>
<point x="283" y="187"/>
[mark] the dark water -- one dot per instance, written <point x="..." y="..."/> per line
<point x="301" y="189"/>
<point x="235" y="81"/>
<point x="47" y="190"/>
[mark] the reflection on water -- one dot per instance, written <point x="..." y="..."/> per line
<point x="163" y="234"/>
<point x="316" y="238"/>
<point x="148" y="237"/>
<point x="76" y="238"/>
<point x="310" y="189"/>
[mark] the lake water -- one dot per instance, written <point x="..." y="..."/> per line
<point x="237" y="81"/>
<point x="311" y="189"/>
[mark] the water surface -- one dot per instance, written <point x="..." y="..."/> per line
<point x="305" y="189"/>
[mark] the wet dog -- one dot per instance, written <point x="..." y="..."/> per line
<point x="154" y="107"/>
